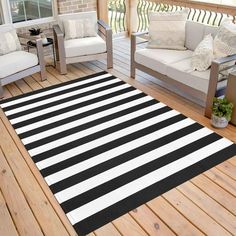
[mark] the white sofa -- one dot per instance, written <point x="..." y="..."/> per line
<point x="174" y="66"/>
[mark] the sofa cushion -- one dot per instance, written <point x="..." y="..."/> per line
<point x="84" y="46"/>
<point x="182" y="72"/>
<point x="17" y="61"/>
<point x="159" y="59"/>
<point x="73" y="29"/>
<point x="194" y="34"/>
<point x="167" y="29"/>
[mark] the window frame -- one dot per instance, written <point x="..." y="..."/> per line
<point x="7" y="18"/>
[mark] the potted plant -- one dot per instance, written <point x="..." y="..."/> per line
<point x="35" y="31"/>
<point x="221" y="112"/>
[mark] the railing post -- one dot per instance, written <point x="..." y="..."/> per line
<point x="132" y="16"/>
<point x="102" y="6"/>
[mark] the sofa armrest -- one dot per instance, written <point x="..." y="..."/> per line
<point x="39" y="47"/>
<point x="214" y="74"/>
<point x="224" y="60"/>
<point x="60" y="49"/>
<point x="105" y="32"/>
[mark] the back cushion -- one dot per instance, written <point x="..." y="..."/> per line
<point x="91" y="15"/>
<point x="9" y="41"/>
<point x="195" y="33"/>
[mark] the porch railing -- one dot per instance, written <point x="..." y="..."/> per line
<point x="117" y="15"/>
<point x="195" y="14"/>
<point x="132" y="15"/>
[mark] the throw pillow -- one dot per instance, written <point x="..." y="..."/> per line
<point x="9" y="42"/>
<point x="73" y="29"/>
<point x="167" y="29"/>
<point x="203" y="54"/>
<point x="225" y="43"/>
<point x="89" y="28"/>
<point x="225" y="40"/>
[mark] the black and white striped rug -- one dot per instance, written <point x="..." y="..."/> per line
<point x="104" y="147"/>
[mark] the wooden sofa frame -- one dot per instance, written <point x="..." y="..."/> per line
<point x="214" y="89"/>
<point x="104" y="31"/>
<point x="19" y="75"/>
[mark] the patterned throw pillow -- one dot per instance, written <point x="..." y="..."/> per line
<point x="225" y="40"/>
<point x="73" y="29"/>
<point x="9" y="42"/>
<point x="225" y="44"/>
<point x="167" y="29"/>
<point x="203" y="54"/>
<point x="79" y="28"/>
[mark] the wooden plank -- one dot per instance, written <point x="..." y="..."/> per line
<point x="222" y="216"/>
<point x="42" y="209"/>
<point x="176" y="221"/>
<point x="107" y="230"/>
<point x="232" y="161"/>
<point x="193" y="213"/>
<point x="7" y="227"/>
<point x="32" y="83"/>
<point x="154" y="225"/>
<point x="128" y="227"/>
<point x="15" y="199"/>
<point x="216" y="192"/>
<point x="222" y="180"/>
<point x="228" y="169"/>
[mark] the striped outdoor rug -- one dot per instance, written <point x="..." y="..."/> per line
<point x="104" y="147"/>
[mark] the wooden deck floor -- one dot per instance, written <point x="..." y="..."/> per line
<point x="205" y="205"/>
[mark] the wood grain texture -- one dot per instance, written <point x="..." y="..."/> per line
<point x="204" y="205"/>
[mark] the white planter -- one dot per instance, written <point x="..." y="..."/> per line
<point x="219" y="122"/>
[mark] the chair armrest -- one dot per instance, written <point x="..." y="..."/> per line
<point x="59" y="48"/>
<point x="57" y="30"/>
<point x="103" y="25"/>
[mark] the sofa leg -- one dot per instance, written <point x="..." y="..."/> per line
<point x="132" y="71"/>
<point x="109" y="61"/>
<point x="43" y="74"/>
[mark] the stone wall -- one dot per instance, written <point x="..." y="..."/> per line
<point x="69" y="6"/>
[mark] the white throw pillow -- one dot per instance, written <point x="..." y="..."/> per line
<point x="89" y="28"/>
<point x="167" y="29"/>
<point x="9" y="42"/>
<point x="225" y="40"/>
<point x="73" y="29"/>
<point x="225" y="44"/>
<point x="203" y="54"/>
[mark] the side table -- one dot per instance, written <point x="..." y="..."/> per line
<point x="50" y="42"/>
<point x="230" y="94"/>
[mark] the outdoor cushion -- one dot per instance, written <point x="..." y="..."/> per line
<point x="158" y="59"/>
<point x="194" y="33"/>
<point x="73" y="29"/>
<point x="84" y="46"/>
<point x="181" y="71"/>
<point x="203" y="54"/>
<point x="17" y="61"/>
<point x="167" y="29"/>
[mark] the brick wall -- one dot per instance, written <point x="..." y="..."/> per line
<point x="69" y="6"/>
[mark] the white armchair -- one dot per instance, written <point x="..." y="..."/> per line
<point x="16" y="63"/>
<point x="82" y="47"/>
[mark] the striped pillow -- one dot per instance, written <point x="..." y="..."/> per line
<point x="73" y="29"/>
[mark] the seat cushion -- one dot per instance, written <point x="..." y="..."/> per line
<point x="17" y="61"/>
<point x="159" y="59"/>
<point x="84" y="46"/>
<point x="181" y="71"/>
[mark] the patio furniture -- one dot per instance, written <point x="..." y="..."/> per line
<point x="17" y="63"/>
<point x="85" y="47"/>
<point x="173" y="67"/>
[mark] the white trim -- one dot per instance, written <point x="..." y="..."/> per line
<point x="7" y="18"/>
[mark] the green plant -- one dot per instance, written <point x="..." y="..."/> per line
<point x="35" y="31"/>
<point x="222" y="108"/>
